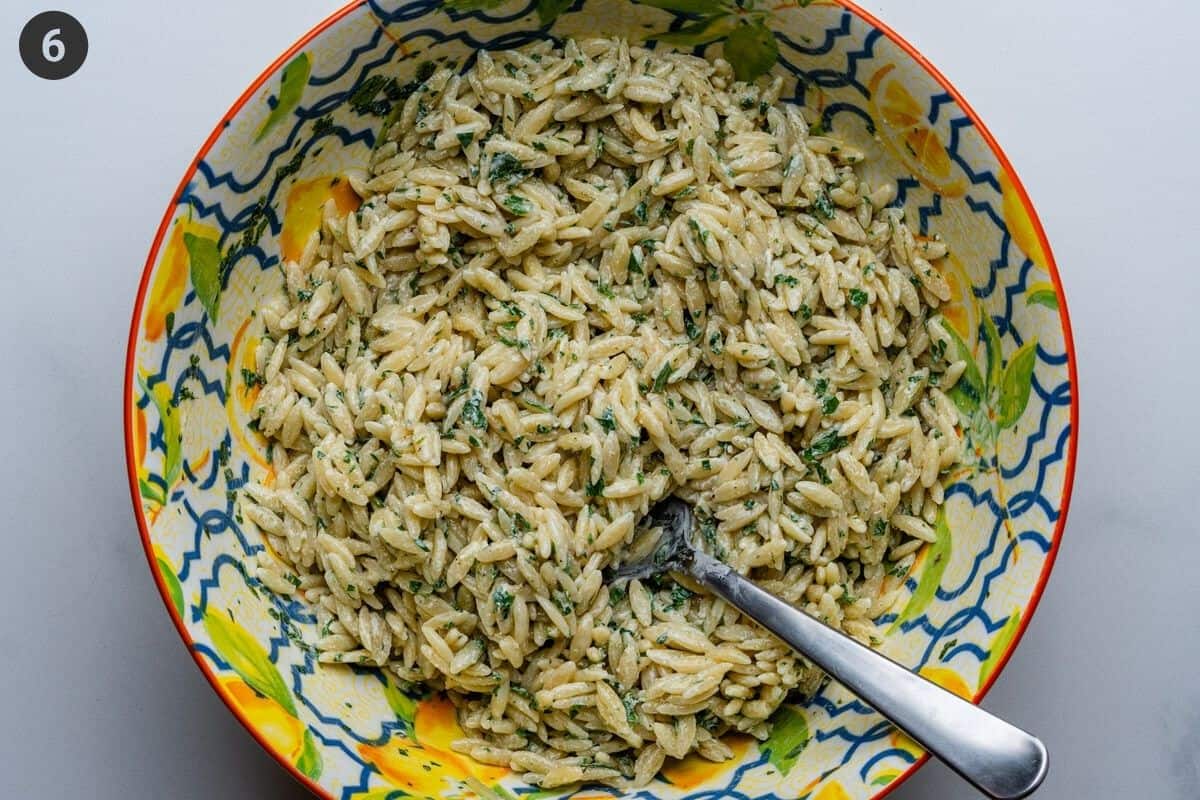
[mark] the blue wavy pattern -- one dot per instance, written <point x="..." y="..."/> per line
<point x="837" y="61"/>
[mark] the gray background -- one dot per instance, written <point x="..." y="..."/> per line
<point x="101" y="700"/>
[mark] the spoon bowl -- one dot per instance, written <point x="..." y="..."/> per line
<point x="1002" y="761"/>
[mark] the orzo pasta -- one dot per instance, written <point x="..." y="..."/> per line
<point x="583" y="278"/>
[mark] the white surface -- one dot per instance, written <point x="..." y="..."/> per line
<point x="102" y="701"/>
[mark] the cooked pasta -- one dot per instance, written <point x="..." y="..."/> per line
<point x="584" y="277"/>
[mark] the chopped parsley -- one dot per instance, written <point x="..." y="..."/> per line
<point x="858" y="298"/>
<point x="679" y="596"/>
<point x="662" y="378"/>
<point x="630" y="701"/>
<point x="562" y="602"/>
<point x="502" y="598"/>
<point x="252" y="378"/>
<point x="689" y="325"/>
<point x="635" y="264"/>
<point x="823" y="206"/>
<point x="640" y="213"/>
<point x="473" y="410"/>
<point x="823" y="445"/>
<point x="506" y="169"/>
<point x="517" y="205"/>
<point x="606" y="420"/>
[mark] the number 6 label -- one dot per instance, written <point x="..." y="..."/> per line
<point x="53" y="49"/>
<point x="53" y="45"/>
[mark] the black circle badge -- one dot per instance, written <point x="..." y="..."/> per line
<point x="53" y="45"/>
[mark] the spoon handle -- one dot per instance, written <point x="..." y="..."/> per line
<point x="1000" y="760"/>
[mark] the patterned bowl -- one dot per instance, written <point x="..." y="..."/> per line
<point x="253" y="194"/>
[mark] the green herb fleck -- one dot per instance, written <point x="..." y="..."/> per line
<point x="502" y="598"/>
<point x="823" y="206"/>
<point x="517" y="205"/>
<point x="640" y="213"/>
<point x="506" y="169"/>
<point x="473" y="410"/>
<point x="252" y="378"/>
<point x="662" y="378"/>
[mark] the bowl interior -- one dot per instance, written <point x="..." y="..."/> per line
<point x="255" y="194"/>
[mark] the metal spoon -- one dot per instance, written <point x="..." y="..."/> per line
<point x="1000" y="760"/>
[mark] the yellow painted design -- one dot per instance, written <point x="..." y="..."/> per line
<point x="436" y="727"/>
<point x="693" y="771"/>
<point x="424" y="764"/>
<point x="901" y="123"/>
<point x="199" y="464"/>
<point x="140" y="436"/>
<point x="900" y="741"/>
<point x="152" y="493"/>
<point x="1020" y="224"/>
<point x="171" y="277"/>
<point x="302" y="211"/>
<point x="831" y="791"/>
<point x="885" y="777"/>
<point x="948" y="679"/>
<point x="405" y="765"/>
<point x="170" y="579"/>
<point x="962" y="311"/>
<point x="282" y="731"/>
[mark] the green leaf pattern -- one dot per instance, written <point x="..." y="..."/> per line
<point x="698" y="33"/>
<point x="309" y="762"/>
<point x="968" y="393"/>
<point x="789" y="736"/>
<point x="937" y="556"/>
<point x="172" y="437"/>
<point x="247" y="658"/>
<point x="403" y="706"/>
<point x="751" y="50"/>
<point x="1015" y="384"/>
<point x="549" y="10"/>
<point x="749" y="44"/>
<point x="172" y="582"/>
<point x="991" y="344"/>
<point x="993" y="400"/>
<point x="1042" y="297"/>
<point x="291" y="87"/>
<point x="204" y="260"/>
<point x="1000" y="646"/>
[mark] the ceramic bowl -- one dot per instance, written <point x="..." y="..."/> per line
<point x="252" y="195"/>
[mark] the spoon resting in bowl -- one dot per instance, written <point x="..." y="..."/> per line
<point x="1001" y="760"/>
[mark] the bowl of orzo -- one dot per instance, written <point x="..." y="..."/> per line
<point x="458" y="289"/>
